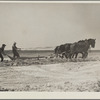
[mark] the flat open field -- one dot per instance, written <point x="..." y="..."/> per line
<point x="51" y="74"/>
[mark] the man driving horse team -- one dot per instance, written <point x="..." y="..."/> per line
<point x="15" y="52"/>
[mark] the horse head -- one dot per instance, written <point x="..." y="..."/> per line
<point x="92" y="42"/>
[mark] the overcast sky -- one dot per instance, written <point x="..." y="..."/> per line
<point x="38" y="25"/>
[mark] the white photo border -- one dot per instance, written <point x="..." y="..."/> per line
<point x="49" y="95"/>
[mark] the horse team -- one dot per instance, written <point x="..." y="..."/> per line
<point x="71" y="50"/>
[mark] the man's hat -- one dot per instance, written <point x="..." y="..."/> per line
<point x="3" y="45"/>
<point x="14" y="42"/>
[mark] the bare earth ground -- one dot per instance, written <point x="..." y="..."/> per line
<point x="51" y="74"/>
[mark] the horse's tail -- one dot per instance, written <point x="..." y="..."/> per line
<point x="55" y="50"/>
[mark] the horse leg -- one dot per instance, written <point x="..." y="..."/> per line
<point x="56" y="55"/>
<point x="59" y="55"/>
<point x="86" y="54"/>
<point x="66" y="55"/>
<point x="83" y="54"/>
<point x="72" y="56"/>
<point x="63" y="54"/>
<point x="76" y="54"/>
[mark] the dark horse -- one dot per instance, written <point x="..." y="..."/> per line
<point x="62" y="50"/>
<point x="82" y="47"/>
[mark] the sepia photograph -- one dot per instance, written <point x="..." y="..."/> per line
<point x="49" y="47"/>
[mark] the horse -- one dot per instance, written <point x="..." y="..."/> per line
<point x="81" y="47"/>
<point x="66" y="51"/>
<point x="59" y="50"/>
<point x="63" y="50"/>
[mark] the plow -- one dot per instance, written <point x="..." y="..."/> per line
<point x="23" y="58"/>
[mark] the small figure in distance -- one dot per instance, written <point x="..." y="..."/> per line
<point x="2" y="52"/>
<point x="15" y="52"/>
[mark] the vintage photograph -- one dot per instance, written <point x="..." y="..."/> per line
<point x="49" y="47"/>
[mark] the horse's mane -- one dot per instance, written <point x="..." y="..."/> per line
<point x="81" y="41"/>
<point x="90" y="39"/>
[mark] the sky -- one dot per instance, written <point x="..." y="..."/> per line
<point x="33" y="25"/>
